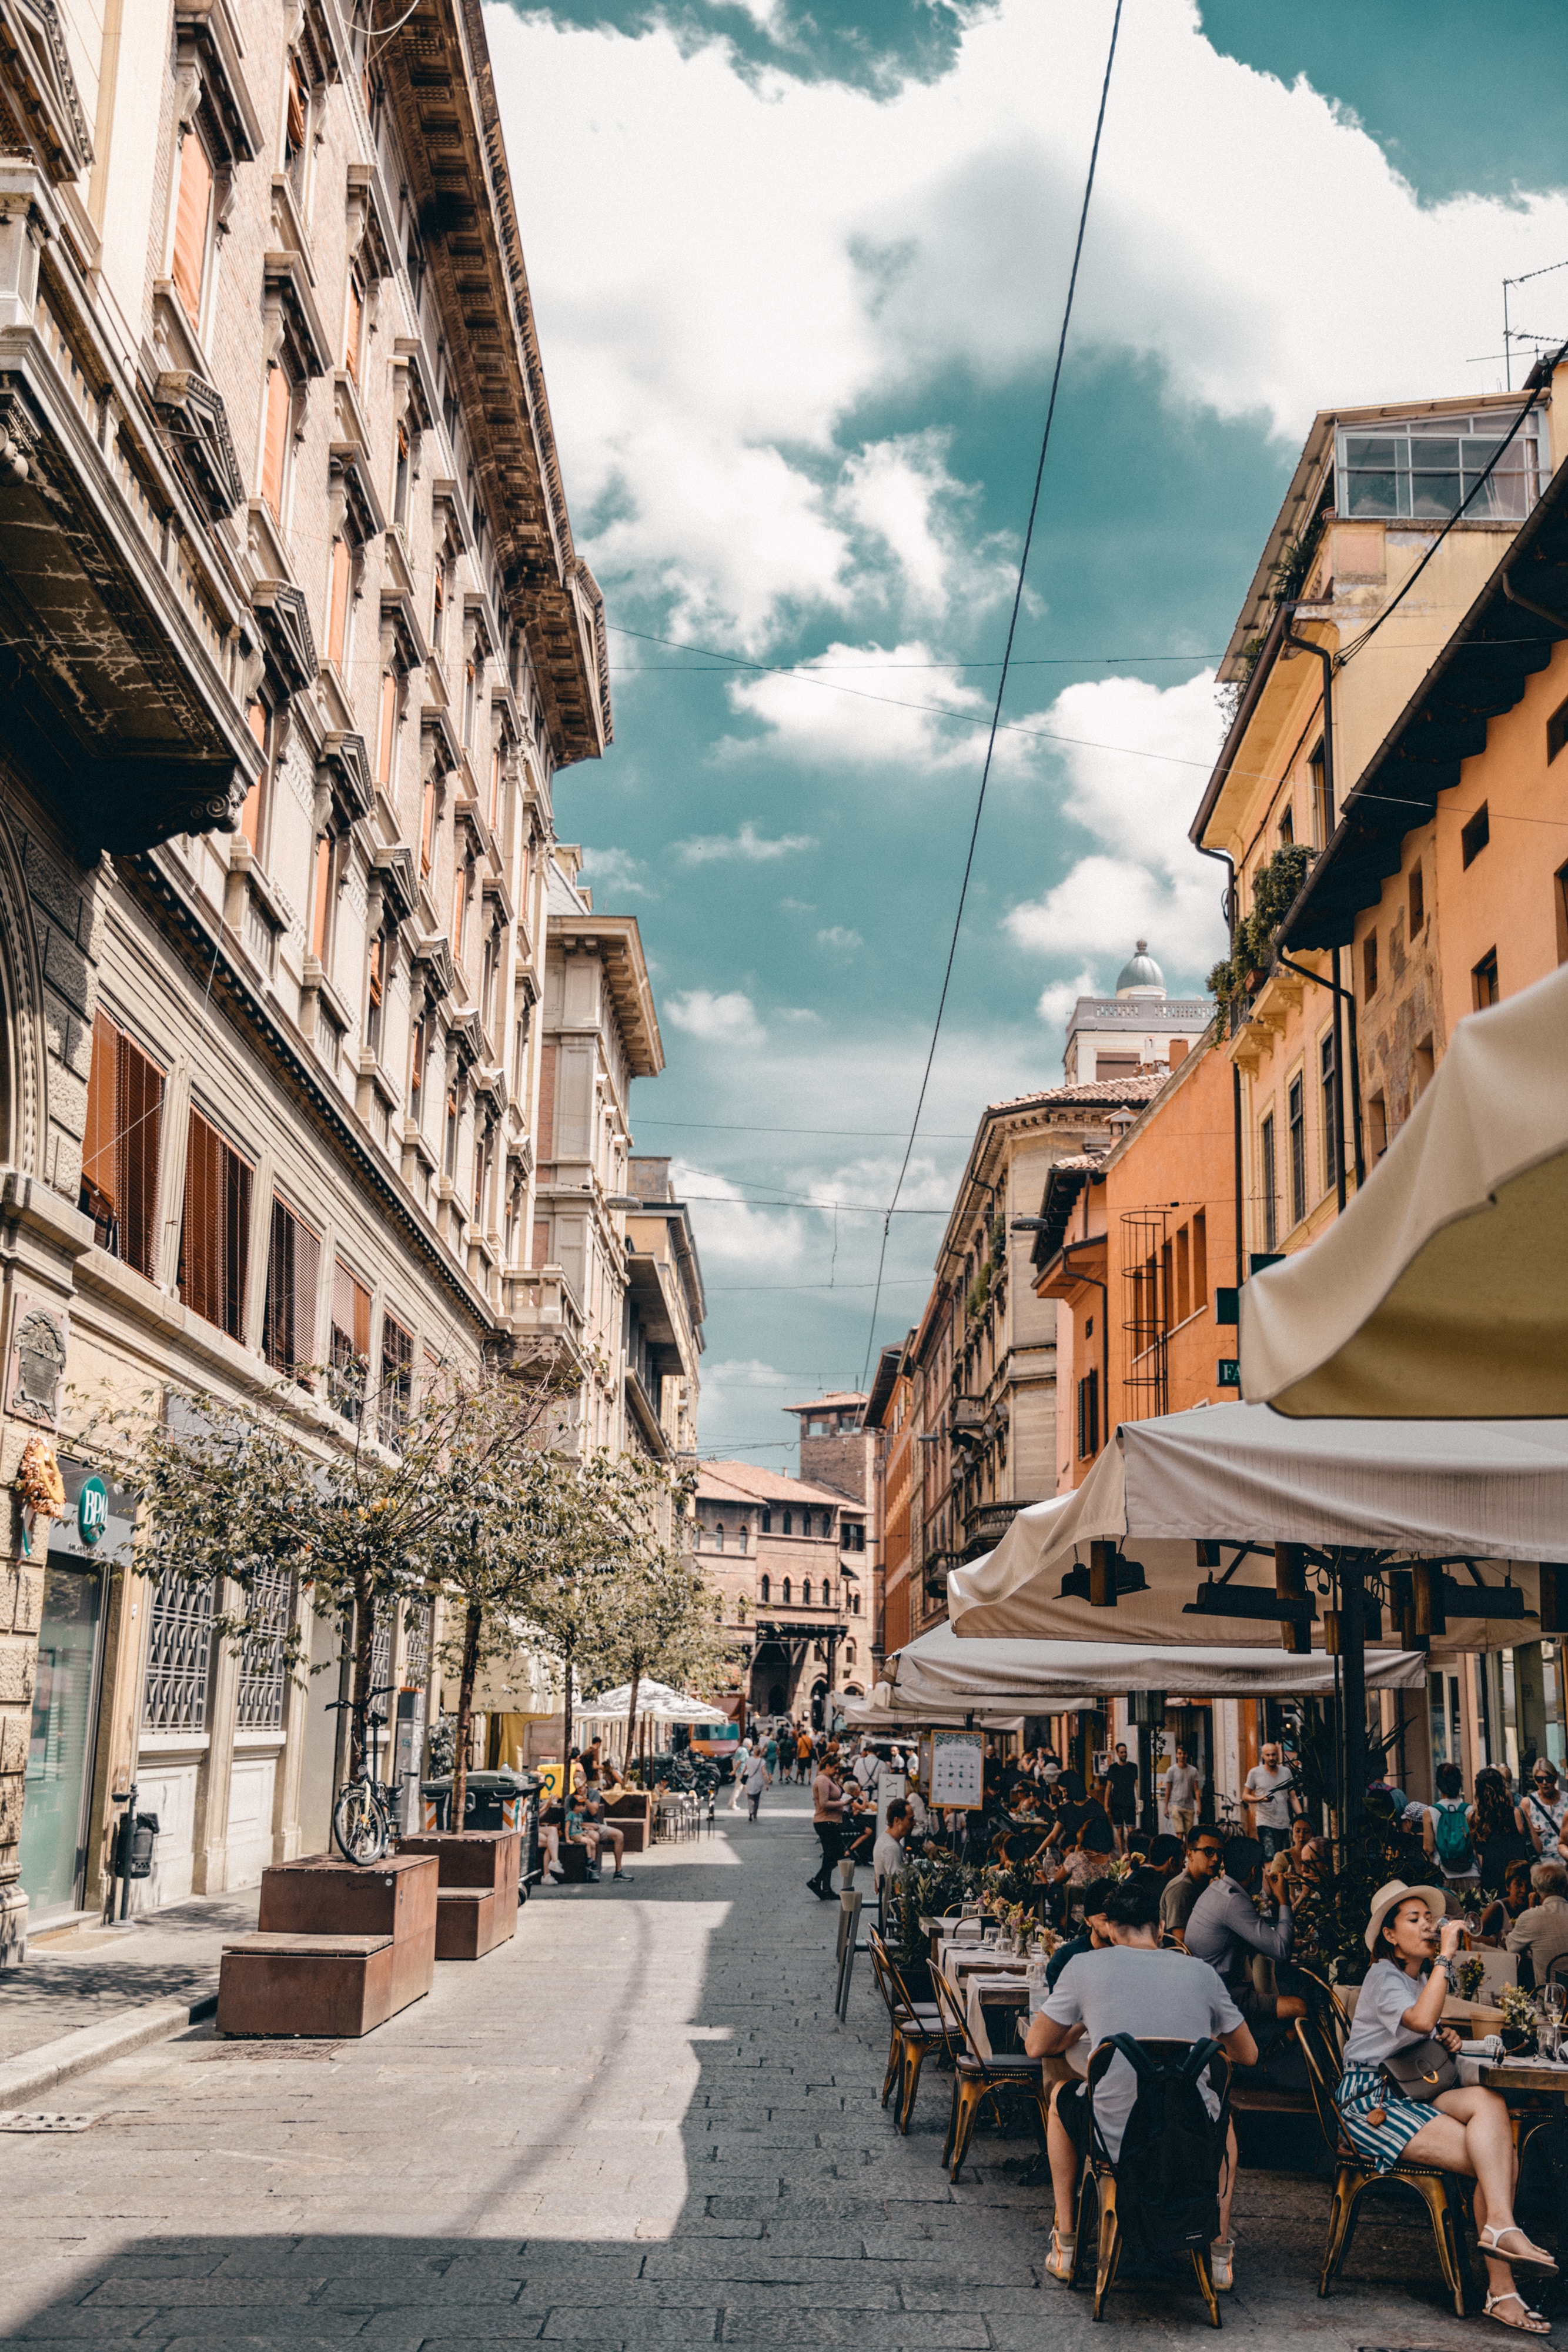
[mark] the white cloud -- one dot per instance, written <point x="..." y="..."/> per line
<point x="836" y="935"/>
<point x="721" y="1020"/>
<point x="748" y="846"/>
<point x="867" y="243"/>
<point x="1057" y="1001"/>
<point x="870" y="706"/>
<point x="615" y="873"/>
<point x="733" y="1231"/>
<point x="1142" y="878"/>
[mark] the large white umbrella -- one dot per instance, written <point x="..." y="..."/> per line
<point x="1234" y="1475"/>
<point x="1442" y="1292"/>
<point x="943" y="1670"/>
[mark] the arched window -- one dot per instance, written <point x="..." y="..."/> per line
<point x="766" y="1596"/>
<point x="785" y="1592"/>
<point x="805" y="1592"/>
<point x="719" y="1537"/>
<point x="745" y="1538"/>
<point x="849" y="1654"/>
<point x="855" y="1606"/>
<point x="789" y="1523"/>
<point x="768" y="1523"/>
<point x="827" y="1523"/>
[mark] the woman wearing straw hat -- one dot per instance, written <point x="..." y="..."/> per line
<point x="1464" y="2130"/>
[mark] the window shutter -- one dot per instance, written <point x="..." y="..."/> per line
<point x="323" y="896"/>
<point x="352" y="333"/>
<point x="427" y="827"/>
<point x="350" y="1339"/>
<point x="275" y="442"/>
<point x="119" y="1149"/>
<point x="215" y="1234"/>
<point x="388" y="728"/>
<point x="397" y="1378"/>
<point x="338" y="616"/>
<point x="191" y="211"/>
<point x="293" y="1263"/>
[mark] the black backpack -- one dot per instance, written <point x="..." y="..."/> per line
<point x="1167" y="2175"/>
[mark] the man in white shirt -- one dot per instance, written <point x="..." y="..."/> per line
<point x="1267" y="1798"/>
<point x="887" y="1856"/>
<point x="742" y="1758"/>
<point x="755" y="1780"/>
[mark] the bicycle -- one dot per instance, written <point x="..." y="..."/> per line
<point x="365" y="1811"/>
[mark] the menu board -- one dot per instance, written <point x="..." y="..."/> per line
<point x="958" y="1770"/>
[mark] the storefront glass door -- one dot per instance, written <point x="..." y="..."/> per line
<point x="59" y="1757"/>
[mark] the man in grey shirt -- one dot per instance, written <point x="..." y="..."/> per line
<point x="1542" y="1930"/>
<point x="1205" y="1861"/>
<point x="1265" y="1793"/>
<point x="1224" y="1929"/>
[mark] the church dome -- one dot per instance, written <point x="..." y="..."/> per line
<point x="1141" y="975"/>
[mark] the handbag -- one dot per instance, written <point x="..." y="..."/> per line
<point x="1423" y="2072"/>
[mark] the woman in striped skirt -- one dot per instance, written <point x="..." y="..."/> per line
<point x="1464" y="2130"/>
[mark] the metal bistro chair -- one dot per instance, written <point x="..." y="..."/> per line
<point x="979" y="2082"/>
<point x="1333" y="2017"/>
<point x="1354" y="2175"/>
<point x="917" y="2031"/>
<point x="1098" y="2181"/>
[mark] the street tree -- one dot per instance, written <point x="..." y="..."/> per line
<point x="666" y="1626"/>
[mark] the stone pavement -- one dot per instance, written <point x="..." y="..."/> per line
<point x="639" y="2125"/>
<point x="96" y="1972"/>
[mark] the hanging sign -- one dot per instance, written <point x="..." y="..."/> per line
<point x="958" y="1770"/>
<point x="93" y="1510"/>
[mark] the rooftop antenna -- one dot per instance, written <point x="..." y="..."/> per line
<point x="1507" y="332"/>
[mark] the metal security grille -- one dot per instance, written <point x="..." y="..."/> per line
<point x="1146" y="1269"/>
<point x="381" y="1643"/>
<point x="215" y="1235"/>
<point x="416" y="1653"/>
<point x="293" y="1266"/>
<point x="179" y="1653"/>
<point x="262" y="1673"/>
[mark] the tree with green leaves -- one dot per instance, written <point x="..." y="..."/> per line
<point x="665" y="1626"/>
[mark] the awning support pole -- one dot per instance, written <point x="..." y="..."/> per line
<point x="1353" y="1659"/>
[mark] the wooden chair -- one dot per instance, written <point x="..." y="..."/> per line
<point x="980" y="2081"/>
<point x="917" y="2031"/>
<point x="1097" y="2180"/>
<point x="1354" y="2175"/>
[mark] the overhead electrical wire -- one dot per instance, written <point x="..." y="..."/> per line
<point x="1002" y="679"/>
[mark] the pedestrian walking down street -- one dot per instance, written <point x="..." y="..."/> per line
<point x="742" y="1758"/>
<point x="770" y="1754"/>
<point x="756" y="1779"/>
<point x="827" y="1819"/>
<point x="802" y="1757"/>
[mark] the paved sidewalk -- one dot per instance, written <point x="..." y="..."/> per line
<point x="639" y="2125"/>
<point x="98" y="1972"/>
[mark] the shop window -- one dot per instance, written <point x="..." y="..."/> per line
<point x="119" y="1148"/>
<point x="396" y="1386"/>
<point x="1484" y="981"/>
<point x="192" y="226"/>
<point x="1476" y="835"/>
<point x="293" y="1266"/>
<point x="214" y="1232"/>
<point x="350" y="1340"/>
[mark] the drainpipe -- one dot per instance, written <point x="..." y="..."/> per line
<point x="1229" y="863"/>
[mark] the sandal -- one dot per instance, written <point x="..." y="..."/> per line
<point x="1222" y="2264"/>
<point x="1062" y="2258"/>
<point x="1533" y="2322"/>
<point x="1533" y="2258"/>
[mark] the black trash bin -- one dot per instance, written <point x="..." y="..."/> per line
<point x="505" y="1800"/>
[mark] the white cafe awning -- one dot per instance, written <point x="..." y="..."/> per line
<point x="1494" y="1492"/>
<point x="1443" y="1290"/>
<point x="1062" y="1677"/>
<point x="897" y="1718"/>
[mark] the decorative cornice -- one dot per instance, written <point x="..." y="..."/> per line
<point x="284" y="620"/>
<point x="197" y="425"/>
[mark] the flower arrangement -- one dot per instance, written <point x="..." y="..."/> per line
<point x="1467" y="1975"/>
<point x="1518" y="2009"/>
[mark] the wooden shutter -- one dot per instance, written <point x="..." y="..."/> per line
<point x="397" y="1378"/>
<point x="193" y="210"/>
<point x="338" y="615"/>
<point x="323" y="897"/>
<point x="427" y="827"/>
<point x="119" y="1149"/>
<point x="293" y="1265"/>
<point x="275" y="441"/>
<point x="352" y="328"/>
<point x="214" y="1233"/>
<point x="388" y="727"/>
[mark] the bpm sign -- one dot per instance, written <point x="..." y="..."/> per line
<point x="93" y="1510"/>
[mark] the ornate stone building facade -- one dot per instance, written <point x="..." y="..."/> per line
<point x="295" y="638"/>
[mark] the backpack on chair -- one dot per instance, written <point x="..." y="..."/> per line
<point x="1167" y="2175"/>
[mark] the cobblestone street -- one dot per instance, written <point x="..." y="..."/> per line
<point x="638" y="2124"/>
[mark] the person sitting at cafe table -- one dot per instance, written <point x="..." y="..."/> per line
<point x="1205" y="1861"/>
<point x="888" y="1859"/>
<point x="601" y="1829"/>
<point x="1413" y="1944"/>
<point x="1224" y="1929"/>
<point x="1132" y="1988"/>
<point x="1093" y="1936"/>
<point x="1502" y="1914"/>
<point x="1540" y="1935"/>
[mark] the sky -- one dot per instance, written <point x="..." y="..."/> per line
<point x="799" y="280"/>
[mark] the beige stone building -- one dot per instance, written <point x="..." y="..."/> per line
<point x="788" y="1559"/>
<point x="295" y="638"/>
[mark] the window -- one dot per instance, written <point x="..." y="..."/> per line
<point x="400" y="470"/>
<point x="296" y="122"/>
<point x="438" y="608"/>
<point x="386" y="733"/>
<point x="1556" y="731"/>
<point x="1484" y="981"/>
<point x="481" y="1178"/>
<point x="745" y="1538"/>
<point x="1423" y="1068"/>
<point x="470" y="684"/>
<point x="1183" y="1274"/>
<point x="453" y="1119"/>
<point x="719" y="1537"/>
<point x="279" y="408"/>
<point x="1428" y="466"/>
<point x="214" y="1232"/>
<point x="350" y="1340"/>
<point x="321" y="909"/>
<point x="1286" y="826"/>
<point x="119" y="1149"/>
<point x="1296" y="1122"/>
<point x="766" y="1589"/>
<point x="1378" y="1125"/>
<point x="1476" y="835"/>
<point x="1271" y="1201"/>
<point x="427" y="826"/>
<point x="789" y="1523"/>
<point x="354" y="327"/>
<point x="768" y="1523"/>
<point x="461" y="892"/>
<point x="805" y="1592"/>
<point x="1089" y="1414"/>
<point x="416" y="1068"/>
<point x="785" y="1592"/>
<point x="192" y="226"/>
<point x="253" y="812"/>
<point x="1199" y="1261"/>
<point x="1331" y="1108"/>
<point x="495" y="786"/>
<point x="1322" y="802"/>
<point x="293" y="1263"/>
<point x="397" y="1378"/>
<point x="338" y="603"/>
<point x="855" y="1604"/>
<point x="1369" y="965"/>
<point x="1417" y="899"/>
<point x="849" y="1654"/>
